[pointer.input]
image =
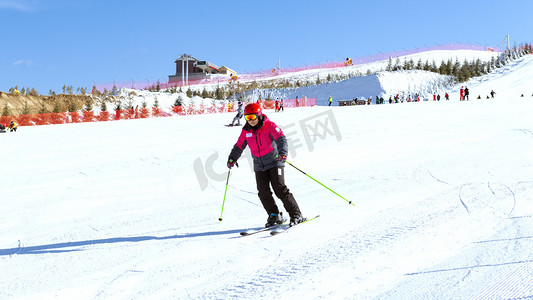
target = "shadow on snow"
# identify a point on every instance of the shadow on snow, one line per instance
(63, 247)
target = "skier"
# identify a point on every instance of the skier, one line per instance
(467, 93)
(269, 148)
(2, 128)
(330, 101)
(238, 116)
(492, 93)
(447, 96)
(281, 105)
(277, 105)
(461, 94)
(13, 126)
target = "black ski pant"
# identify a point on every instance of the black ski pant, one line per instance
(276, 178)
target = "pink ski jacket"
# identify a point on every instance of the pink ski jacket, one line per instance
(266, 141)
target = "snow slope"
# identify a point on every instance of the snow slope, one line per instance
(379, 83)
(383, 83)
(443, 195)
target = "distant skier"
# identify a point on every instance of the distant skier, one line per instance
(238, 116)
(2, 128)
(269, 148)
(348, 62)
(281, 103)
(277, 105)
(330, 100)
(447, 96)
(462, 94)
(467, 93)
(13, 126)
(492, 93)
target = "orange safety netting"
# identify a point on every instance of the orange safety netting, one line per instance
(127, 114)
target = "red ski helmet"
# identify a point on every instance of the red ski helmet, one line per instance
(252, 108)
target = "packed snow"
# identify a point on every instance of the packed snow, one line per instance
(443, 194)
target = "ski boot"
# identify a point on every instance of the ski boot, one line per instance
(274, 219)
(296, 219)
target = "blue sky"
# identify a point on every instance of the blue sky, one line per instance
(50, 43)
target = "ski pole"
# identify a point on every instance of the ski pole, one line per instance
(349, 202)
(224, 200)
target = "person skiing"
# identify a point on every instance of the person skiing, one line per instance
(13, 126)
(269, 148)
(238, 116)
(2, 128)
(467, 93)
(330, 100)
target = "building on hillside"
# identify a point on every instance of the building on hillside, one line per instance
(226, 70)
(190, 68)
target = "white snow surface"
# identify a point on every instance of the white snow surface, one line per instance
(443, 195)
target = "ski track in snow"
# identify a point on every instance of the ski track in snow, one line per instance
(353, 246)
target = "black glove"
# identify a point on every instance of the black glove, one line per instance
(282, 158)
(232, 163)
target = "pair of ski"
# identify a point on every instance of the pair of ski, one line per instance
(276, 229)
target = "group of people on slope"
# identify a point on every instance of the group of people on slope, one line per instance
(12, 127)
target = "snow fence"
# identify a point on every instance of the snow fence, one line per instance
(139, 113)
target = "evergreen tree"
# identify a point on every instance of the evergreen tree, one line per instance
(389, 65)
(464, 73)
(433, 68)
(219, 93)
(179, 101)
(43, 109)
(88, 104)
(456, 68)
(397, 66)
(419, 65)
(6, 111)
(72, 107)
(103, 106)
(26, 109)
(57, 107)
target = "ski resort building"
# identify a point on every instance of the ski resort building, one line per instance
(190, 68)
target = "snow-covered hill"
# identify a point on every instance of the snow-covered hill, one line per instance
(379, 83)
(443, 195)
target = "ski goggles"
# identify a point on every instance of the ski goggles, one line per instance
(250, 117)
